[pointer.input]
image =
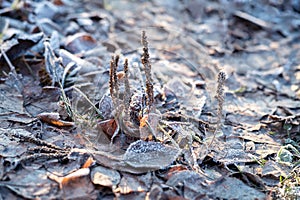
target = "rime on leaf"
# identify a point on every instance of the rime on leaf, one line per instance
(52, 63)
(150, 155)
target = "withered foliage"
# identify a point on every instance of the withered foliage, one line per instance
(136, 105)
(127, 89)
(113, 81)
(146, 138)
(220, 98)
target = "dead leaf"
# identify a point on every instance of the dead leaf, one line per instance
(105, 177)
(30, 185)
(106, 107)
(274, 169)
(108, 127)
(132, 184)
(150, 155)
(62, 181)
(259, 138)
(54, 119)
(11, 102)
(84, 65)
(17, 47)
(38, 100)
(189, 184)
(89, 162)
(226, 187)
(9, 147)
(80, 42)
(52, 64)
(148, 125)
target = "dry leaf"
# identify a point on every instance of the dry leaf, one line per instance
(105, 177)
(54, 119)
(66, 179)
(150, 155)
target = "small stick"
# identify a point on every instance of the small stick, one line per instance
(35, 141)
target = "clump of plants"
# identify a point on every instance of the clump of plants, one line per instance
(131, 108)
(129, 113)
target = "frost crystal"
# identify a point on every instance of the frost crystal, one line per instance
(145, 147)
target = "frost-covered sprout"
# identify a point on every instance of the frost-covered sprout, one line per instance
(113, 78)
(127, 89)
(130, 108)
(147, 67)
(220, 97)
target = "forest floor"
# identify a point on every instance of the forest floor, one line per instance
(84, 115)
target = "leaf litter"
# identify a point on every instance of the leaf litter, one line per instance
(149, 118)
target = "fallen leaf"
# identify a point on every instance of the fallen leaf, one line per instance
(17, 47)
(30, 185)
(131, 184)
(108, 127)
(105, 177)
(89, 162)
(150, 155)
(80, 42)
(54, 119)
(70, 177)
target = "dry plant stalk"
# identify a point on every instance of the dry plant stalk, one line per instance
(127, 93)
(147, 67)
(116, 77)
(113, 78)
(220, 98)
(132, 107)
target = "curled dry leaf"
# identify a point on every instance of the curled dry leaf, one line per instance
(66, 179)
(89, 162)
(53, 119)
(108, 127)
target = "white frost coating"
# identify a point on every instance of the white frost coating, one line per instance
(145, 147)
(150, 155)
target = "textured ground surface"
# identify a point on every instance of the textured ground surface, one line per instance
(57, 116)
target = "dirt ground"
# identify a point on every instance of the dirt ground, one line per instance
(149, 99)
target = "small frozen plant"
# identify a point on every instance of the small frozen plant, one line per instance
(131, 108)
